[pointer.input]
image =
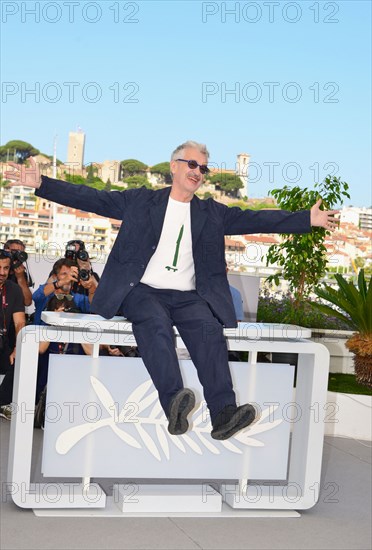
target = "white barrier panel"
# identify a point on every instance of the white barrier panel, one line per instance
(98, 394)
(113, 416)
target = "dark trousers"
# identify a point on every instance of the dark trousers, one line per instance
(153, 312)
(6, 386)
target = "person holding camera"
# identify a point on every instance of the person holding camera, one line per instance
(75, 250)
(58, 303)
(64, 274)
(12, 311)
(18, 272)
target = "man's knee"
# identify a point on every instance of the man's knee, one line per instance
(212, 331)
(155, 322)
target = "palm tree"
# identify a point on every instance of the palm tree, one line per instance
(354, 303)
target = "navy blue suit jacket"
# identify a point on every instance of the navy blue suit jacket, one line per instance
(142, 212)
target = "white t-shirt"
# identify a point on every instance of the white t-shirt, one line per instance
(172, 265)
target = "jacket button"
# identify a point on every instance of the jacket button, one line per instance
(153, 247)
(143, 266)
(131, 284)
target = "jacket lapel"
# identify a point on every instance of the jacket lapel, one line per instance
(158, 209)
(198, 218)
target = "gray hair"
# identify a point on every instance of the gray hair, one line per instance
(178, 152)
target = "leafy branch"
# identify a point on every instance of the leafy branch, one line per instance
(303, 258)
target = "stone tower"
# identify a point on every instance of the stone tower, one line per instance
(75, 151)
(242, 167)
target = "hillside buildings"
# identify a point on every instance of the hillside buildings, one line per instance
(47, 229)
(361, 217)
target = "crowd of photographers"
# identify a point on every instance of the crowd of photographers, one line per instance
(70, 287)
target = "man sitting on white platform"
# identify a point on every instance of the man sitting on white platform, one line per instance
(167, 268)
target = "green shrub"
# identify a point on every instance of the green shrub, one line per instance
(280, 309)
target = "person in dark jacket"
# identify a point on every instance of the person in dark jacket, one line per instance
(167, 268)
(12, 313)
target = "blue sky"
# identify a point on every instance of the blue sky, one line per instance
(142, 77)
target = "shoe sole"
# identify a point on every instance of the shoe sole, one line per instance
(243, 417)
(182, 404)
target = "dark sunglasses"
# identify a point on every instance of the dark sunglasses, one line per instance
(193, 164)
(68, 297)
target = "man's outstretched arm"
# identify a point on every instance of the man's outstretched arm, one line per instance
(104, 203)
(241, 222)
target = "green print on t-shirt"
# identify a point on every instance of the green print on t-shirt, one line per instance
(175, 259)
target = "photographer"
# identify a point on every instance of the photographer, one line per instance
(18, 272)
(75, 250)
(64, 274)
(57, 303)
(12, 310)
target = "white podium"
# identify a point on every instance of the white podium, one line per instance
(103, 420)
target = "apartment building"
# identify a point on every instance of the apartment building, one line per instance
(359, 217)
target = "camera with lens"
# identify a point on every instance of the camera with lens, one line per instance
(131, 352)
(72, 309)
(84, 274)
(71, 254)
(18, 258)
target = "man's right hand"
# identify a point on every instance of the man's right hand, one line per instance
(22, 175)
(20, 273)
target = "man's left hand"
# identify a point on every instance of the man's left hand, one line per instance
(12, 357)
(323, 218)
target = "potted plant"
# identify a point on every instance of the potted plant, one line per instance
(302, 257)
(354, 305)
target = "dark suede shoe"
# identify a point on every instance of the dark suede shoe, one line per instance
(180, 406)
(232, 419)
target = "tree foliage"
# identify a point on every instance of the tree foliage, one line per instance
(95, 182)
(18, 151)
(354, 302)
(255, 206)
(229, 183)
(137, 181)
(303, 258)
(90, 174)
(3, 182)
(79, 180)
(208, 195)
(132, 167)
(163, 169)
